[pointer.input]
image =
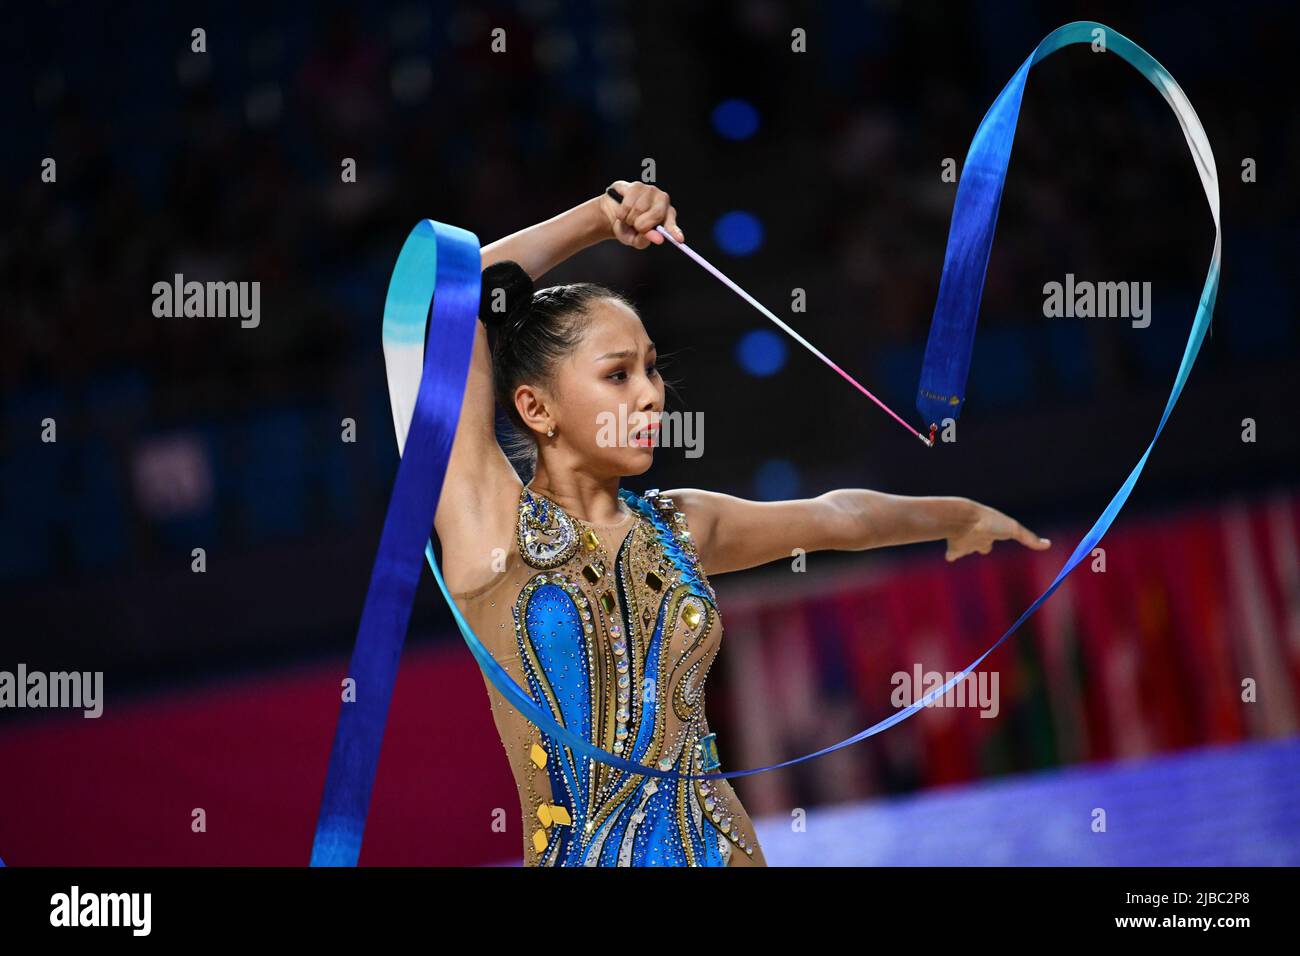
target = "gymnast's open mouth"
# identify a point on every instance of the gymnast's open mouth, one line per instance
(645, 436)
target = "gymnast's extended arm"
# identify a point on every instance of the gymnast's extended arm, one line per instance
(732, 534)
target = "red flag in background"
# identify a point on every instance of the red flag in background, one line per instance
(848, 773)
(1283, 517)
(1014, 739)
(1111, 656)
(1273, 523)
(924, 609)
(1163, 682)
(1263, 658)
(753, 710)
(1058, 640)
(1191, 554)
(871, 653)
(872, 647)
(790, 659)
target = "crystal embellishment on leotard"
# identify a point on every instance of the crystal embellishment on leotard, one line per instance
(546, 534)
(588, 629)
(675, 537)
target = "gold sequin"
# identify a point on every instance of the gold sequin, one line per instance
(538, 755)
(590, 540)
(539, 841)
(691, 615)
(607, 601)
(654, 580)
(593, 572)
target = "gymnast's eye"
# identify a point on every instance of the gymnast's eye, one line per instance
(617, 376)
(651, 370)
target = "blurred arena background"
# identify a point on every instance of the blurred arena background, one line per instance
(820, 171)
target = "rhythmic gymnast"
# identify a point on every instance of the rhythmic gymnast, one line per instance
(595, 599)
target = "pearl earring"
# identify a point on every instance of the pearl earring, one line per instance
(550, 433)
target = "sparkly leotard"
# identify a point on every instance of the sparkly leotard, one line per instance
(617, 648)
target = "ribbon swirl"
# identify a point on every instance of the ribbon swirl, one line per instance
(426, 385)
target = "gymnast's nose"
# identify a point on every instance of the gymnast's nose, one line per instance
(649, 400)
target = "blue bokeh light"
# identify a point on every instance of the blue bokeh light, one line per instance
(738, 233)
(761, 352)
(735, 119)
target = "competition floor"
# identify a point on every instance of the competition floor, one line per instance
(1223, 806)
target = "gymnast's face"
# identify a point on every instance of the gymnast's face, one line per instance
(607, 395)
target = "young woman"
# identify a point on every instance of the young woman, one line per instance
(597, 600)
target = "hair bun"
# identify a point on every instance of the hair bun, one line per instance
(507, 294)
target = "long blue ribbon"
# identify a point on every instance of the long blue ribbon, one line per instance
(942, 388)
(426, 396)
(446, 258)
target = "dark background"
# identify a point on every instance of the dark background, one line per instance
(226, 165)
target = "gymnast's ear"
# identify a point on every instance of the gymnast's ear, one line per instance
(532, 404)
(507, 293)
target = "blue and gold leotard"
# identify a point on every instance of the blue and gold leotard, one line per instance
(613, 628)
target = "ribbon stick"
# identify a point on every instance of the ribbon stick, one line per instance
(717, 274)
(426, 384)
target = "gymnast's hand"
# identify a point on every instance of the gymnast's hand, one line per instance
(986, 525)
(644, 207)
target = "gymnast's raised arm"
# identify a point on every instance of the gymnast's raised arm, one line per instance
(477, 505)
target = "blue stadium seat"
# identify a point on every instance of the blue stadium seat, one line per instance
(340, 466)
(1002, 371)
(1256, 310)
(1069, 357)
(273, 477)
(31, 480)
(30, 483)
(118, 401)
(1159, 347)
(95, 516)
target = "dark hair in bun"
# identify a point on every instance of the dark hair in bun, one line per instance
(529, 332)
